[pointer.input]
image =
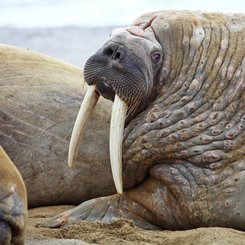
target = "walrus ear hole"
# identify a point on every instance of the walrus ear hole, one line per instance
(156, 56)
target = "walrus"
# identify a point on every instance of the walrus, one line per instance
(40, 98)
(13, 203)
(177, 124)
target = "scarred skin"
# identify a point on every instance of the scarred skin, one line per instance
(13, 203)
(183, 150)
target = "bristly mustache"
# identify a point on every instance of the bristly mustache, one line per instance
(96, 68)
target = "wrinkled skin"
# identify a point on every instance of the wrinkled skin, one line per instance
(13, 203)
(183, 150)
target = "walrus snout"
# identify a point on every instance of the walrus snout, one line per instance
(115, 69)
(115, 57)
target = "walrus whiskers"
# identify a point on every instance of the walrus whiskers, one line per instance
(86, 109)
(118, 115)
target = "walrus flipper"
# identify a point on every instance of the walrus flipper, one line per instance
(107, 210)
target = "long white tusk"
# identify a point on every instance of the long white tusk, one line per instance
(88, 104)
(119, 111)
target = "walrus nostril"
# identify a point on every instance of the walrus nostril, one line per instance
(117, 56)
(114, 51)
(108, 51)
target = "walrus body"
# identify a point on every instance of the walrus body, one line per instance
(13, 203)
(181, 76)
(40, 97)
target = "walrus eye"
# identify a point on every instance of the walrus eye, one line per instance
(156, 56)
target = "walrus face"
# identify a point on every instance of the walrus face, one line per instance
(126, 65)
(125, 71)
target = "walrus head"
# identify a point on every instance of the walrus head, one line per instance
(123, 70)
(126, 65)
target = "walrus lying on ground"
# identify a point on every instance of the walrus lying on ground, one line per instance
(39, 100)
(13, 203)
(177, 81)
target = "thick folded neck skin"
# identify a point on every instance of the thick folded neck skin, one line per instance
(198, 115)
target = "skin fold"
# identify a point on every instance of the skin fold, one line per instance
(183, 155)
